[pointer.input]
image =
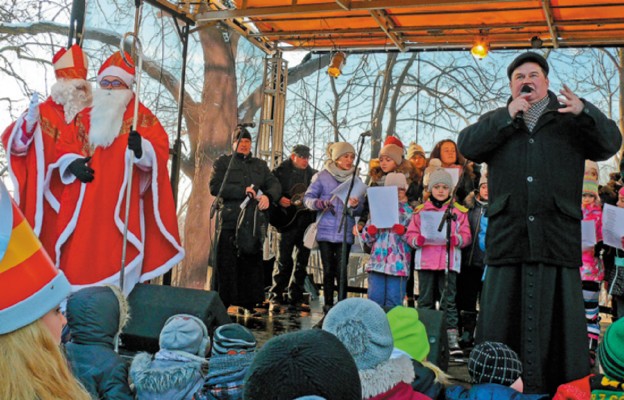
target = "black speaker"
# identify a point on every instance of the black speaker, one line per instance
(152, 305)
(435, 325)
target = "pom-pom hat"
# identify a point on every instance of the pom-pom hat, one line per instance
(30, 285)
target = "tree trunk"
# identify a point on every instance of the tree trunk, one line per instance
(216, 121)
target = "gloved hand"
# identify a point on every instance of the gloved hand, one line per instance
(399, 229)
(322, 204)
(454, 241)
(419, 241)
(372, 230)
(33, 114)
(134, 143)
(81, 170)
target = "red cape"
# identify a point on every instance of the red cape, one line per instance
(91, 216)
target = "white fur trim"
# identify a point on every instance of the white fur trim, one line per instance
(69, 229)
(66, 177)
(385, 376)
(119, 73)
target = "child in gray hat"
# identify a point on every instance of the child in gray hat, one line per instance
(175, 372)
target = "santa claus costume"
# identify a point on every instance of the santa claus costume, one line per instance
(31, 143)
(92, 214)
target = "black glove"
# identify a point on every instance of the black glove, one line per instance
(134, 143)
(81, 170)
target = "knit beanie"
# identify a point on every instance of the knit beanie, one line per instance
(242, 133)
(440, 176)
(311, 362)
(340, 148)
(409, 332)
(396, 179)
(186, 333)
(362, 326)
(393, 148)
(611, 351)
(589, 164)
(433, 165)
(233, 339)
(494, 362)
(415, 149)
(590, 185)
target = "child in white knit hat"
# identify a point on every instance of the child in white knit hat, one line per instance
(430, 259)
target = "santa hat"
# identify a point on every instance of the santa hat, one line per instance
(116, 66)
(30, 285)
(393, 148)
(70, 63)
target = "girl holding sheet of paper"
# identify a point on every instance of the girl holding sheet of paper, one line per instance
(388, 265)
(592, 272)
(431, 257)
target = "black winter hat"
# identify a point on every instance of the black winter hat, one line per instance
(494, 362)
(242, 133)
(311, 362)
(529, 56)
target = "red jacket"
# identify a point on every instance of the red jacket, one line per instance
(402, 391)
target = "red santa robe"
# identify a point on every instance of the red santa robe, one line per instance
(91, 216)
(28, 164)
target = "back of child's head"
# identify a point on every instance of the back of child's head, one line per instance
(494, 362)
(311, 362)
(611, 351)
(186, 334)
(396, 179)
(96, 314)
(233, 339)
(408, 332)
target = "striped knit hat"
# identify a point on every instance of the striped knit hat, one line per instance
(30, 285)
(233, 339)
(611, 351)
(494, 362)
(590, 185)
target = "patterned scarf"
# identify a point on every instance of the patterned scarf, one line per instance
(536, 111)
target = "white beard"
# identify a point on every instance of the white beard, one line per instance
(107, 113)
(73, 94)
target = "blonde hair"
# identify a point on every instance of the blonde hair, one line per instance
(33, 367)
(440, 376)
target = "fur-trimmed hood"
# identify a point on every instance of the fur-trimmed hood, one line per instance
(376, 174)
(97, 314)
(163, 376)
(385, 376)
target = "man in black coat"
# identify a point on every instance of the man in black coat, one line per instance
(291, 219)
(239, 274)
(536, 148)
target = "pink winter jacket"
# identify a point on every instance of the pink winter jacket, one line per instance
(433, 257)
(592, 270)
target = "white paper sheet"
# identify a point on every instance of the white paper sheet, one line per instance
(612, 226)
(454, 172)
(588, 234)
(359, 188)
(383, 203)
(429, 223)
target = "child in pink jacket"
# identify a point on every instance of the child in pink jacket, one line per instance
(430, 259)
(592, 272)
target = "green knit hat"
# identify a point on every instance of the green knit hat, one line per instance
(611, 351)
(409, 332)
(590, 185)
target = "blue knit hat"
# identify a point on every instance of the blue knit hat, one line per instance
(233, 338)
(362, 326)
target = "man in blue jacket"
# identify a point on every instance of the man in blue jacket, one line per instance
(535, 148)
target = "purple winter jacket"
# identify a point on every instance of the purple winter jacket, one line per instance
(321, 187)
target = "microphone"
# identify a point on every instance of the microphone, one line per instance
(247, 125)
(366, 134)
(525, 89)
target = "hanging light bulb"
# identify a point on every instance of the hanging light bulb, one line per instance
(336, 64)
(480, 48)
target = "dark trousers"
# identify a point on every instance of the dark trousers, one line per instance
(331, 254)
(431, 285)
(239, 279)
(283, 273)
(469, 286)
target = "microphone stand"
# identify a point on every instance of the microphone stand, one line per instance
(215, 208)
(448, 219)
(342, 288)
